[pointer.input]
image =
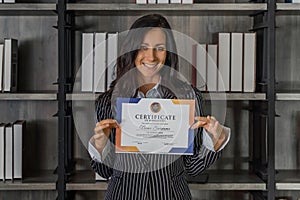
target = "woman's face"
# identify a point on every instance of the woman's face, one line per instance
(151, 55)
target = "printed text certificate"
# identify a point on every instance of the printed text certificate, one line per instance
(155, 126)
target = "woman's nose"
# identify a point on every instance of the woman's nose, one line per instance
(151, 54)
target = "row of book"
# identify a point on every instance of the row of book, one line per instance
(99, 55)
(164, 1)
(227, 65)
(11, 148)
(8, 65)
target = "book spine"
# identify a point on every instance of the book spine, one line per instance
(175, 1)
(18, 130)
(9, 152)
(2, 152)
(223, 61)
(201, 66)
(236, 74)
(1, 66)
(100, 62)
(162, 1)
(212, 56)
(249, 62)
(112, 55)
(187, 1)
(87, 62)
(141, 1)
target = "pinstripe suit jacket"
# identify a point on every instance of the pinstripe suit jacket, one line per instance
(153, 177)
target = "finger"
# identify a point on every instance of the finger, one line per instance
(203, 119)
(198, 124)
(112, 123)
(99, 129)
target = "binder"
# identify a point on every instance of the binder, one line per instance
(10, 64)
(18, 130)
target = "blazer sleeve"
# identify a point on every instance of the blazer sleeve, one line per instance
(202, 157)
(103, 111)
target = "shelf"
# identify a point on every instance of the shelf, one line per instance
(217, 180)
(27, 9)
(288, 8)
(224, 8)
(229, 180)
(288, 180)
(44, 180)
(206, 96)
(288, 96)
(28, 96)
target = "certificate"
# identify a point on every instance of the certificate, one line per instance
(157, 126)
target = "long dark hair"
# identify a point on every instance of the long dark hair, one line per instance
(131, 46)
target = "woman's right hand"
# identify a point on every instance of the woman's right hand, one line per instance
(102, 132)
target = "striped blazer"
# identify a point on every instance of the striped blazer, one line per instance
(155, 176)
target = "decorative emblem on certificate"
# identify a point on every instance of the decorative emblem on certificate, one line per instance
(157, 126)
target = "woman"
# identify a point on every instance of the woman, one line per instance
(149, 56)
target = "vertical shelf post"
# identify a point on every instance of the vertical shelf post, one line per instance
(62, 64)
(271, 99)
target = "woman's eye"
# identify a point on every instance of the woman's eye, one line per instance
(160, 48)
(144, 48)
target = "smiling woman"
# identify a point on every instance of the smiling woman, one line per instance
(146, 68)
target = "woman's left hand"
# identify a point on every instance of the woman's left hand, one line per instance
(212, 126)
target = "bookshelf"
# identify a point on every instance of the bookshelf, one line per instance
(69, 19)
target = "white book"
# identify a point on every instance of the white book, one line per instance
(87, 62)
(141, 1)
(9, 152)
(175, 1)
(112, 55)
(249, 62)
(151, 1)
(187, 1)
(236, 76)
(100, 62)
(212, 56)
(2, 151)
(201, 59)
(1, 66)
(296, 1)
(224, 61)
(9, 1)
(10, 65)
(162, 1)
(18, 130)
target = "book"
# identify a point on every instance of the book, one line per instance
(151, 1)
(223, 40)
(9, 147)
(100, 62)
(236, 71)
(87, 62)
(2, 151)
(9, 1)
(249, 62)
(18, 130)
(212, 56)
(10, 65)
(162, 1)
(199, 63)
(1, 66)
(112, 55)
(175, 1)
(141, 1)
(187, 1)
